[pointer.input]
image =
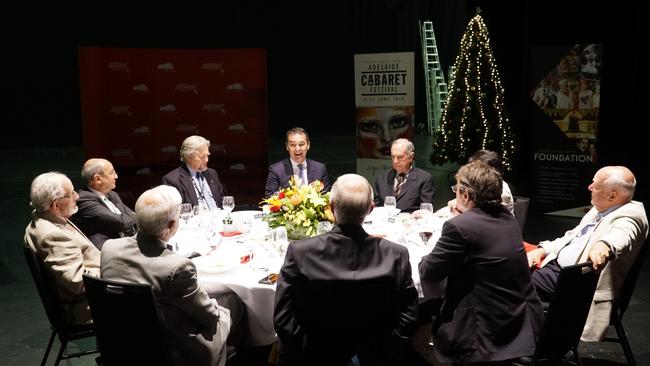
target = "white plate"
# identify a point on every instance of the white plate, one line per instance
(215, 264)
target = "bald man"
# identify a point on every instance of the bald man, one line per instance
(102, 215)
(609, 235)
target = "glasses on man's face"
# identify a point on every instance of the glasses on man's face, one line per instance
(454, 188)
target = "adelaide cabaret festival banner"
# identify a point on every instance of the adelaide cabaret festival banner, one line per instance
(138, 105)
(384, 98)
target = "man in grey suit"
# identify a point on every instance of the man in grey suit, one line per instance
(197, 326)
(411, 186)
(102, 215)
(610, 235)
(297, 165)
(347, 252)
(64, 249)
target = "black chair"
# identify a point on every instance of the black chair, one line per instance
(127, 323)
(566, 316)
(621, 303)
(344, 318)
(45, 284)
(521, 210)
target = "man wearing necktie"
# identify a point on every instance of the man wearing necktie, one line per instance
(197, 184)
(64, 250)
(609, 235)
(102, 215)
(296, 166)
(411, 186)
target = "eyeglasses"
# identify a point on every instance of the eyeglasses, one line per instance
(454, 188)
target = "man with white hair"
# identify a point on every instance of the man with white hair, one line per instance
(610, 235)
(409, 185)
(102, 215)
(197, 184)
(196, 325)
(64, 249)
(346, 252)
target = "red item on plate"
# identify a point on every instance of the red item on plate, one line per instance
(230, 233)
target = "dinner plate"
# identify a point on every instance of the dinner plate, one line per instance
(215, 264)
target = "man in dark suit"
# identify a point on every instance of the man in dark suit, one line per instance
(491, 311)
(297, 165)
(197, 184)
(102, 215)
(195, 325)
(347, 252)
(411, 186)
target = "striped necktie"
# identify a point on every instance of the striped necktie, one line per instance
(401, 178)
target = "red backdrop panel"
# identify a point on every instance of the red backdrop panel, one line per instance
(139, 104)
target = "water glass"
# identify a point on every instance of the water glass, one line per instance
(281, 235)
(323, 227)
(427, 207)
(186, 212)
(390, 203)
(228, 204)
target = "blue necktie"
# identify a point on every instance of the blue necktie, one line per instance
(303, 173)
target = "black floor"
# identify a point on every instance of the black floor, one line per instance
(24, 329)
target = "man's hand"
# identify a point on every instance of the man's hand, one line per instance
(599, 255)
(535, 257)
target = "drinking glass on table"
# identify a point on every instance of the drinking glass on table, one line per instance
(228, 204)
(427, 207)
(186, 212)
(391, 205)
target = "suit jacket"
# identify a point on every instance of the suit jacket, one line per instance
(345, 252)
(625, 229)
(196, 325)
(491, 311)
(282, 171)
(67, 255)
(98, 222)
(181, 179)
(417, 189)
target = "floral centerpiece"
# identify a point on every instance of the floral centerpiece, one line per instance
(299, 209)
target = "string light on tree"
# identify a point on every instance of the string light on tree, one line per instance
(474, 117)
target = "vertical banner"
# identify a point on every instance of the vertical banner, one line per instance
(385, 107)
(567, 103)
(138, 105)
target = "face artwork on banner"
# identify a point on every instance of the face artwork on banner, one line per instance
(378, 127)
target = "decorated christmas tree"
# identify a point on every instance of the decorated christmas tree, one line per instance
(474, 117)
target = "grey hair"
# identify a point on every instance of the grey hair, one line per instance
(46, 188)
(620, 178)
(351, 198)
(92, 167)
(191, 145)
(406, 143)
(156, 207)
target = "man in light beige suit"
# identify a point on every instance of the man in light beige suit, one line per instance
(197, 327)
(610, 235)
(64, 249)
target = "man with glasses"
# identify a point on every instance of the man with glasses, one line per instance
(411, 186)
(59, 244)
(197, 184)
(102, 215)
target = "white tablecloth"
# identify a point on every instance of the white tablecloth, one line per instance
(220, 270)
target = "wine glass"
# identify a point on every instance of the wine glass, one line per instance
(391, 205)
(186, 212)
(425, 236)
(228, 204)
(427, 207)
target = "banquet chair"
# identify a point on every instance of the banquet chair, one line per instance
(621, 303)
(127, 323)
(521, 210)
(342, 319)
(566, 316)
(55, 312)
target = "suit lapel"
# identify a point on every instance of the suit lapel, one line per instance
(186, 180)
(406, 186)
(391, 182)
(288, 171)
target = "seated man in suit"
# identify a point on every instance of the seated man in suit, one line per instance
(102, 215)
(346, 252)
(411, 186)
(64, 249)
(197, 184)
(610, 235)
(196, 325)
(297, 165)
(490, 312)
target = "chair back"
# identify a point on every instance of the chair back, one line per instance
(521, 210)
(627, 288)
(46, 286)
(338, 314)
(567, 312)
(127, 323)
